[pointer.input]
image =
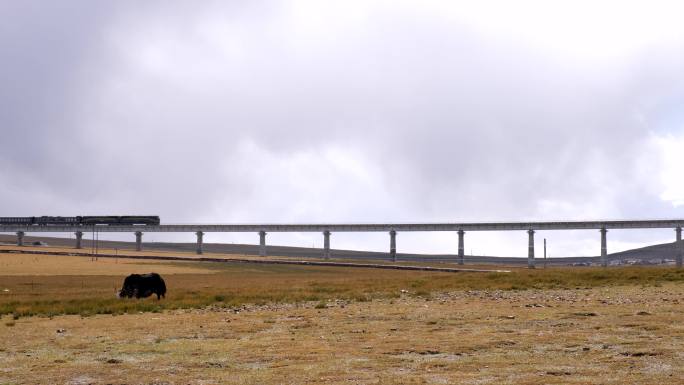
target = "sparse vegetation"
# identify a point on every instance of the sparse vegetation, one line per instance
(233, 285)
(560, 325)
(600, 335)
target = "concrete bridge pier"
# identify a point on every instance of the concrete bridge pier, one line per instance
(604, 248)
(138, 240)
(262, 243)
(461, 249)
(20, 238)
(200, 236)
(326, 244)
(393, 245)
(79, 237)
(678, 247)
(530, 249)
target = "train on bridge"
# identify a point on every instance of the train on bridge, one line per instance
(106, 220)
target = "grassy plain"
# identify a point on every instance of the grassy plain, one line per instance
(83, 286)
(255, 324)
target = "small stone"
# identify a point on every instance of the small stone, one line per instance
(586, 314)
(61, 331)
(558, 373)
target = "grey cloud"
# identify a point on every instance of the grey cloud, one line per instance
(234, 113)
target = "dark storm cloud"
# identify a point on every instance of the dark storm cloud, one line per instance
(293, 112)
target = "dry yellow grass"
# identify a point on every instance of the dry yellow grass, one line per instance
(228, 257)
(120, 251)
(251, 324)
(55, 265)
(616, 335)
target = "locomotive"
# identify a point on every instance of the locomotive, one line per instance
(126, 220)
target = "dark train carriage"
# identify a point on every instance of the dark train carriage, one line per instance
(140, 220)
(120, 220)
(16, 221)
(56, 221)
(100, 220)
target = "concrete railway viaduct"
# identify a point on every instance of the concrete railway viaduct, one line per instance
(391, 229)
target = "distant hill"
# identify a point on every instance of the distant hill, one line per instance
(654, 252)
(649, 253)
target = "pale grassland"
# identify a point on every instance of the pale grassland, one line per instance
(123, 252)
(70, 290)
(238, 323)
(55, 265)
(602, 335)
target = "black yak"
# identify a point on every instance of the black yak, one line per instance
(143, 286)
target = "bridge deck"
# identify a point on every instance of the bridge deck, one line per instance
(364, 227)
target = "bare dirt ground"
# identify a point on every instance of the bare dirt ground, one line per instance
(615, 335)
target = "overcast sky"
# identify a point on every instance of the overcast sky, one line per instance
(349, 111)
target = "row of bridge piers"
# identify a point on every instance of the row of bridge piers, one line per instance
(393, 245)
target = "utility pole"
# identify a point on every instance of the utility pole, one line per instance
(545, 253)
(92, 245)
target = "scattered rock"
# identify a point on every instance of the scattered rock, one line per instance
(558, 373)
(507, 317)
(501, 344)
(643, 313)
(640, 354)
(585, 314)
(113, 361)
(61, 331)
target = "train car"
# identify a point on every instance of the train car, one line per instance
(120, 220)
(56, 221)
(151, 220)
(100, 220)
(13, 221)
